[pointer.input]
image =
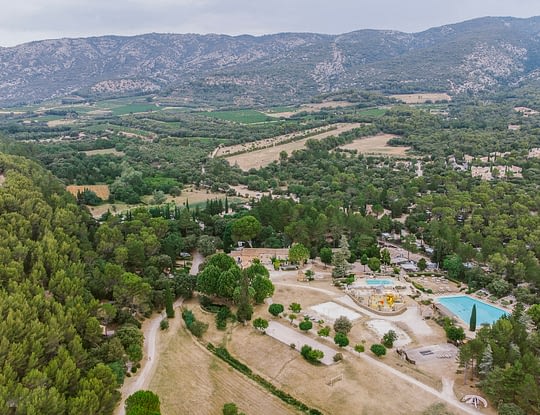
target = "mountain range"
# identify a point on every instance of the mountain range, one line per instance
(472, 56)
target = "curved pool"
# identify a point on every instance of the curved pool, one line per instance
(461, 306)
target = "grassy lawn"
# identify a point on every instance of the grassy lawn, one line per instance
(240, 116)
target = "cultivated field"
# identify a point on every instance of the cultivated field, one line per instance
(264, 156)
(422, 98)
(315, 107)
(101, 190)
(376, 144)
(112, 151)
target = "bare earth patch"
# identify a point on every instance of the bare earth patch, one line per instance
(422, 98)
(265, 156)
(376, 144)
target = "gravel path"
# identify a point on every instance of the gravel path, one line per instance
(142, 378)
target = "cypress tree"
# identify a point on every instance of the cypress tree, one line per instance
(472, 321)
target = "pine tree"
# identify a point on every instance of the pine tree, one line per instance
(472, 321)
(340, 263)
(486, 364)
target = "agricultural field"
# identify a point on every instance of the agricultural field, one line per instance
(377, 144)
(101, 190)
(288, 112)
(264, 156)
(240, 116)
(112, 151)
(421, 98)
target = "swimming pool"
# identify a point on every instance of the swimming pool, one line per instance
(379, 282)
(462, 306)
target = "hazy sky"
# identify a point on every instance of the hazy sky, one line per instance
(25, 20)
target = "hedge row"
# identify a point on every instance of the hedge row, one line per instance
(224, 355)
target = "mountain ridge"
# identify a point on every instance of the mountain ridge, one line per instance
(471, 56)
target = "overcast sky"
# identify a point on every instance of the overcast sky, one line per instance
(26, 20)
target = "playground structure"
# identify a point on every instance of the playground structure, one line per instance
(474, 400)
(387, 301)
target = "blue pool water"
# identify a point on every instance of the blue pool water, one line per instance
(379, 282)
(462, 306)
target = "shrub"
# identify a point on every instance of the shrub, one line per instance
(324, 332)
(389, 339)
(276, 309)
(378, 350)
(221, 317)
(310, 354)
(164, 324)
(341, 339)
(260, 324)
(295, 307)
(305, 325)
(359, 348)
(338, 357)
(198, 328)
(342, 325)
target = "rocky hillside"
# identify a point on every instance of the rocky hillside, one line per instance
(288, 67)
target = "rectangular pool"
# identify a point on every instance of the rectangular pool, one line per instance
(379, 282)
(461, 306)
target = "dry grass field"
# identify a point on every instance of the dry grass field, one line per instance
(377, 144)
(189, 380)
(421, 98)
(270, 142)
(112, 151)
(265, 156)
(101, 190)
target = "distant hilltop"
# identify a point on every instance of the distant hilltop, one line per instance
(473, 56)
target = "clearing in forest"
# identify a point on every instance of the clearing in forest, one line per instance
(268, 150)
(376, 144)
(112, 151)
(101, 190)
(421, 98)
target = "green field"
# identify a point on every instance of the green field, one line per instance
(373, 112)
(134, 108)
(240, 116)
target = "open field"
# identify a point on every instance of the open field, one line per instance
(265, 156)
(193, 196)
(189, 380)
(101, 190)
(112, 151)
(312, 107)
(240, 116)
(421, 98)
(270, 142)
(376, 144)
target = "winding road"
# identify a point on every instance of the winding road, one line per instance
(150, 330)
